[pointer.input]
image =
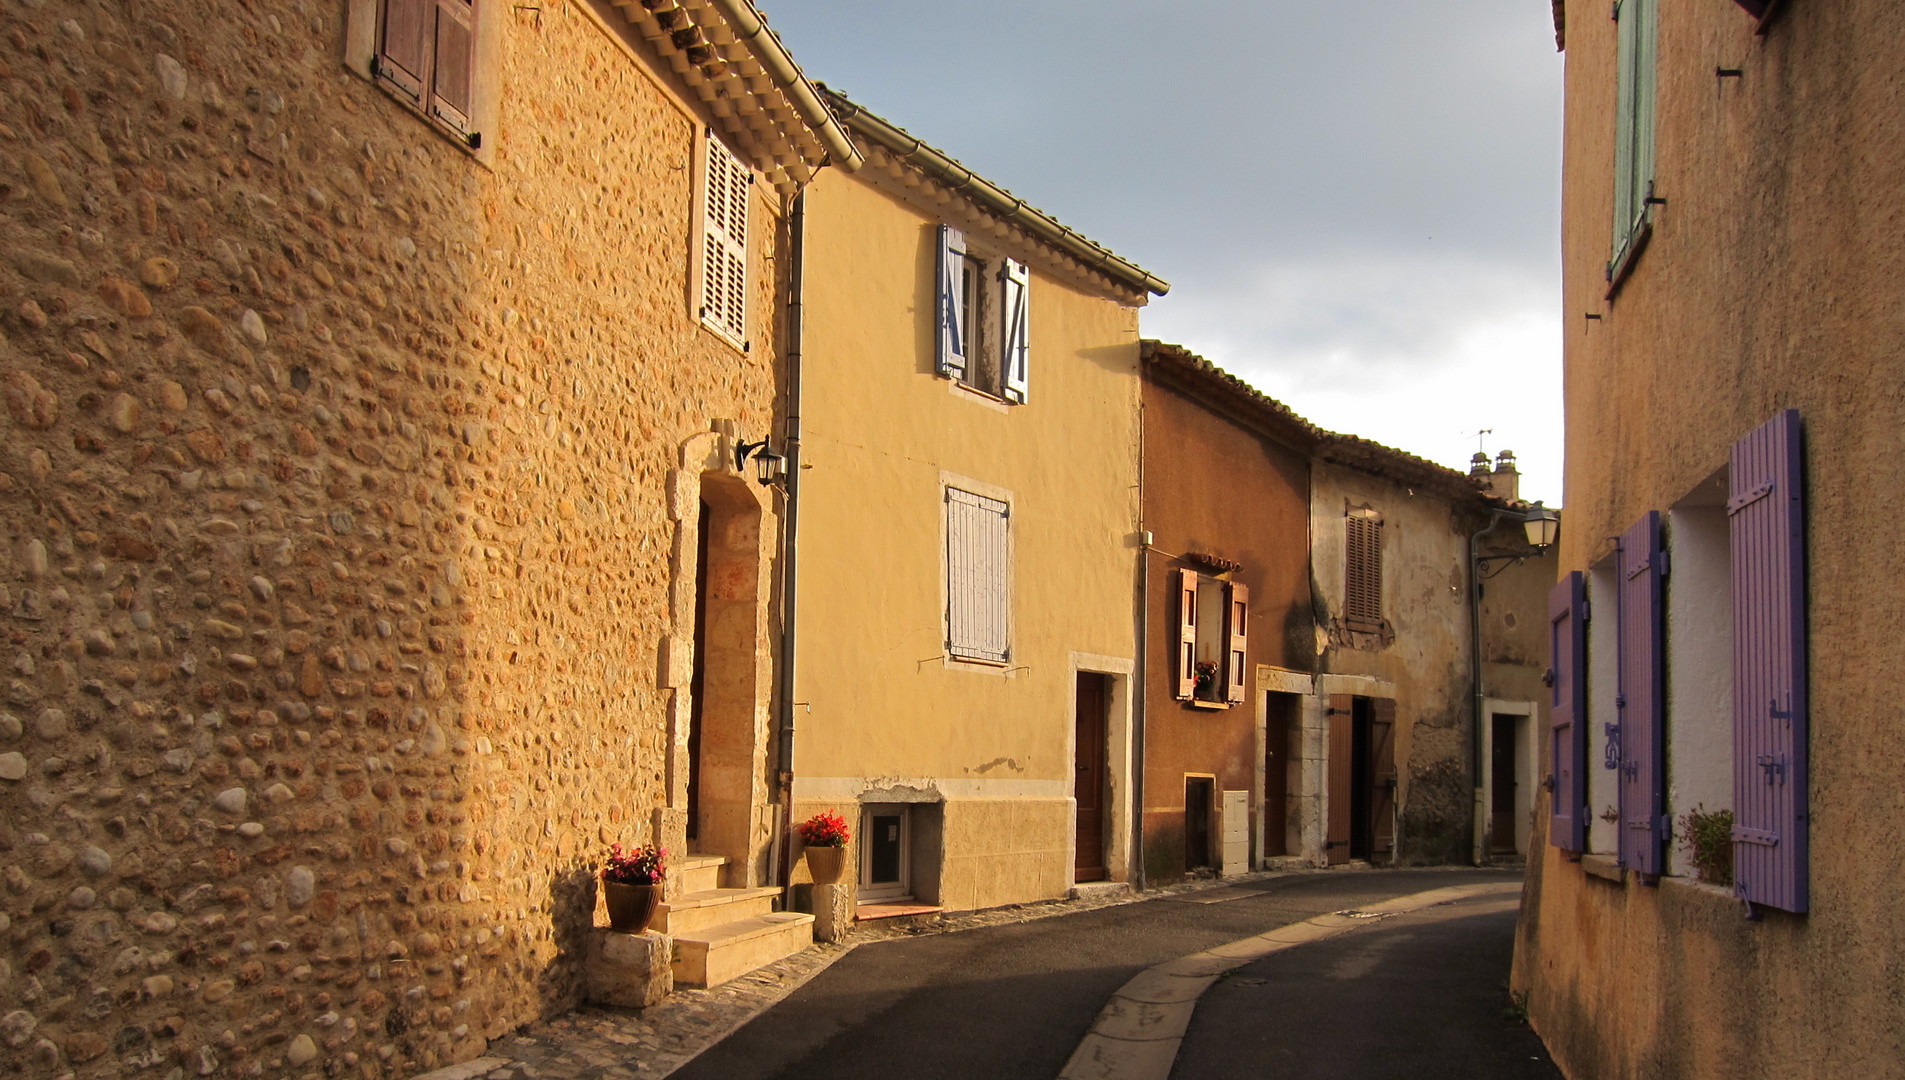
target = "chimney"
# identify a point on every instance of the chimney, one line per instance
(1478, 467)
(1505, 482)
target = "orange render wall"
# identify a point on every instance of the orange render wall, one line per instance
(1770, 282)
(1215, 486)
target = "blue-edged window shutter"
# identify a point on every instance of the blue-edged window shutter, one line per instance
(1567, 712)
(1642, 698)
(1766, 519)
(1016, 359)
(1634, 126)
(952, 352)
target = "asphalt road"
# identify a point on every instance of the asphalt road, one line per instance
(1413, 997)
(1011, 1002)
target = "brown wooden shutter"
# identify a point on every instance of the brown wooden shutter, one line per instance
(1342, 747)
(1238, 634)
(1382, 778)
(454, 66)
(403, 45)
(1186, 633)
(1362, 561)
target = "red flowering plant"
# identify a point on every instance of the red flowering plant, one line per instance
(1206, 677)
(641, 865)
(826, 829)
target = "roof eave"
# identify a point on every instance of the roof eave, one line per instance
(991, 197)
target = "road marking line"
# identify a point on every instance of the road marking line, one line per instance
(1137, 1033)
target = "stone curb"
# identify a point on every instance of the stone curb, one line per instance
(1137, 1034)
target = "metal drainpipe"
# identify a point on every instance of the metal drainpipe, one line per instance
(790, 533)
(1139, 691)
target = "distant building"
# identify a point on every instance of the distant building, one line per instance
(1311, 695)
(1717, 894)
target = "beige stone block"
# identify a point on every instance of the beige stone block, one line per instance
(629, 970)
(834, 907)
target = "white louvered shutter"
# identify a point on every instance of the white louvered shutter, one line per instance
(724, 244)
(1015, 360)
(951, 352)
(976, 599)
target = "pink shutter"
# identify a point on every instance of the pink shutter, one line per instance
(454, 76)
(403, 46)
(1767, 524)
(1641, 700)
(1567, 712)
(1186, 633)
(1238, 636)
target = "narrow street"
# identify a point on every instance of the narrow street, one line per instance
(1424, 992)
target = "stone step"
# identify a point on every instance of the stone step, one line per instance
(698, 873)
(711, 907)
(712, 956)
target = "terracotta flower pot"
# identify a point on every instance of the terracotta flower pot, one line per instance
(630, 906)
(826, 864)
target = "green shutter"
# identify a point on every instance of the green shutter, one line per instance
(1634, 133)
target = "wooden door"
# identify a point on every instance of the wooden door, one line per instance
(1089, 775)
(1501, 781)
(1279, 719)
(1382, 779)
(1199, 792)
(1341, 754)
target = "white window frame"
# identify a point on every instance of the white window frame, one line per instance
(725, 185)
(996, 659)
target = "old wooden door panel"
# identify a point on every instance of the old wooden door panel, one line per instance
(1382, 779)
(1341, 749)
(1088, 776)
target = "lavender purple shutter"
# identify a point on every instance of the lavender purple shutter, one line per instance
(1567, 712)
(1641, 699)
(1767, 524)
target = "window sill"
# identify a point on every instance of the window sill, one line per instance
(743, 347)
(979, 666)
(978, 397)
(1621, 268)
(1602, 867)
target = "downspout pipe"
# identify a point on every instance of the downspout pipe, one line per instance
(1141, 691)
(790, 536)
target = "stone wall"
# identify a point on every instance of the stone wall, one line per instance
(337, 547)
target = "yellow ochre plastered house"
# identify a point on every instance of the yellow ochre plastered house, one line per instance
(967, 542)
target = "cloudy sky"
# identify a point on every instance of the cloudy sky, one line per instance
(1356, 202)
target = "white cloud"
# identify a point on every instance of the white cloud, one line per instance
(1419, 354)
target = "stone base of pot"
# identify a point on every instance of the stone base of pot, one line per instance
(826, 864)
(631, 971)
(630, 906)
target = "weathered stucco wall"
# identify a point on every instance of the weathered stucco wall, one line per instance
(1426, 654)
(1770, 282)
(884, 435)
(1214, 486)
(337, 534)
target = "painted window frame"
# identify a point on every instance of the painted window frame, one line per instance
(982, 318)
(1363, 604)
(1636, 28)
(716, 247)
(982, 497)
(363, 44)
